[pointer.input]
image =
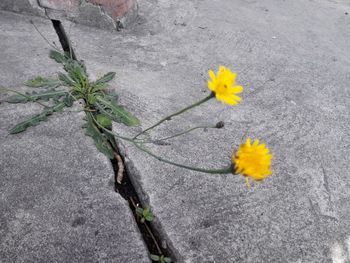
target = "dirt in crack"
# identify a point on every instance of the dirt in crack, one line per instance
(125, 188)
(149, 233)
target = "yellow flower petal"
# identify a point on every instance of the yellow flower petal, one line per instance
(253, 160)
(236, 89)
(212, 75)
(223, 85)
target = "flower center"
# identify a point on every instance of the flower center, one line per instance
(222, 88)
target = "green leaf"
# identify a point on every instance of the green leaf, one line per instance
(17, 99)
(149, 216)
(139, 211)
(106, 78)
(112, 97)
(58, 56)
(65, 79)
(167, 260)
(40, 82)
(101, 142)
(76, 71)
(36, 119)
(154, 257)
(98, 87)
(68, 100)
(31, 122)
(104, 121)
(142, 220)
(34, 96)
(116, 112)
(91, 99)
(57, 108)
(110, 138)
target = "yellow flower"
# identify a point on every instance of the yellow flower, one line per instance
(253, 160)
(223, 85)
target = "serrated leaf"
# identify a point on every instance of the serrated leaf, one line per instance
(98, 87)
(31, 122)
(101, 142)
(76, 71)
(106, 78)
(58, 56)
(68, 100)
(36, 119)
(34, 96)
(65, 79)
(116, 112)
(40, 82)
(154, 257)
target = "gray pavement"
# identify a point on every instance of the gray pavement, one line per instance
(57, 201)
(292, 57)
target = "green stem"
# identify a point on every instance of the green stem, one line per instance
(226, 170)
(24, 95)
(176, 113)
(110, 132)
(181, 133)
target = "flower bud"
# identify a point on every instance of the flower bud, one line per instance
(220, 125)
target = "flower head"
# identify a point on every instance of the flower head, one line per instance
(223, 85)
(253, 160)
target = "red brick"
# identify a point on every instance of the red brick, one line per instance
(116, 8)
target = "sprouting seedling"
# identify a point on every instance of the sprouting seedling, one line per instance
(145, 214)
(161, 258)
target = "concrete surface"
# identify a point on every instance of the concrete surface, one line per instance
(57, 202)
(292, 57)
(22, 6)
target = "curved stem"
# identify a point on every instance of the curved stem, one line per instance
(46, 40)
(181, 133)
(226, 170)
(176, 113)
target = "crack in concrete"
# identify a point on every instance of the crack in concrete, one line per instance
(154, 237)
(325, 182)
(133, 175)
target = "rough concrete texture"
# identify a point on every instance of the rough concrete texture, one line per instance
(22, 6)
(104, 14)
(57, 200)
(292, 59)
(23, 50)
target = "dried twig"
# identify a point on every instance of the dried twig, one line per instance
(120, 173)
